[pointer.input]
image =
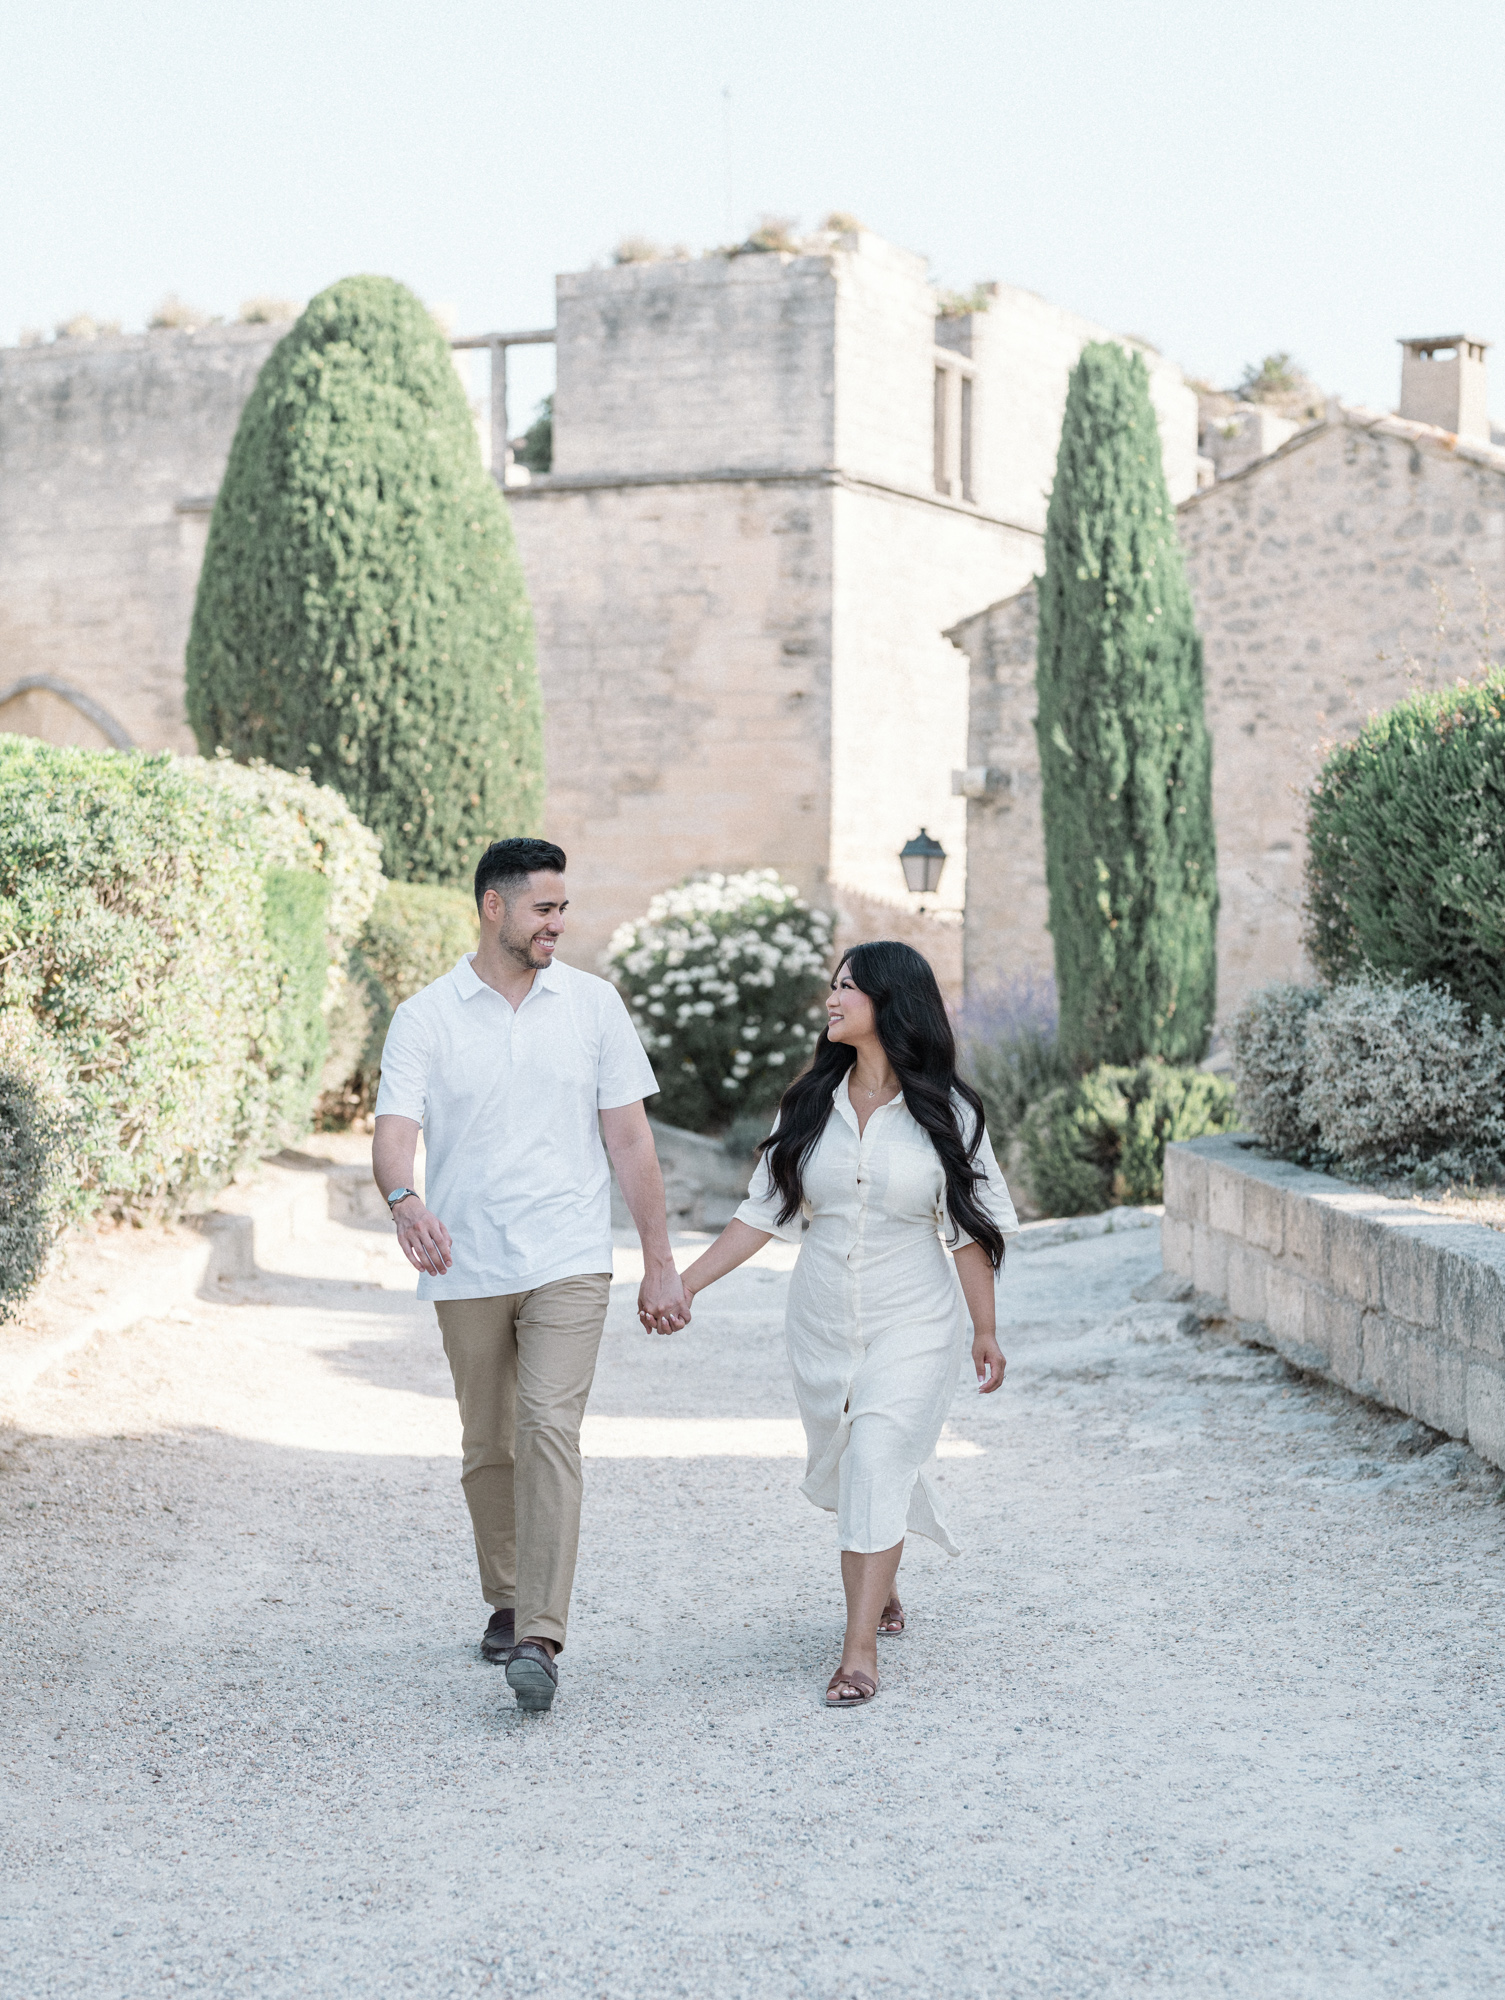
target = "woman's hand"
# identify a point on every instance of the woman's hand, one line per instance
(977, 1281)
(736, 1243)
(988, 1362)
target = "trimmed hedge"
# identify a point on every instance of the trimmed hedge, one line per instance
(296, 916)
(1406, 848)
(132, 932)
(1101, 1140)
(165, 936)
(413, 935)
(36, 1147)
(297, 824)
(1125, 757)
(361, 611)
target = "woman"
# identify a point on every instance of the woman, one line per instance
(882, 1146)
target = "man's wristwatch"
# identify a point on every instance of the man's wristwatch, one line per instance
(397, 1195)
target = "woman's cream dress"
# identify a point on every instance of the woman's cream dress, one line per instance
(877, 1326)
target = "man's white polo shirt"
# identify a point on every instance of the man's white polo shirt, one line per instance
(515, 1167)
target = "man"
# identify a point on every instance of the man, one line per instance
(504, 1064)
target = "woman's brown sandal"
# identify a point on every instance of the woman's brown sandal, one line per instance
(850, 1677)
(891, 1624)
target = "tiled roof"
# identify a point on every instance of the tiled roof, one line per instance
(1357, 418)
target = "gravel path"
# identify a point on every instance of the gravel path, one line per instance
(1211, 1706)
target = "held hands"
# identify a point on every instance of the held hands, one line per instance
(663, 1301)
(989, 1363)
(425, 1240)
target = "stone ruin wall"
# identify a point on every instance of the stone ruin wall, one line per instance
(740, 566)
(111, 452)
(1315, 576)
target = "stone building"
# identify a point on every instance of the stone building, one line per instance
(111, 451)
(1330, 578)
(776, 479)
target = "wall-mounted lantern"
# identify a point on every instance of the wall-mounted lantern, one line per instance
(922, 860)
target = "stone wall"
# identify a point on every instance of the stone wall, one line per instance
(111, 451)
(740, 564)
(684, 648)
(903, 571)
(741, 569)
(1025, 349)
(1401, 1306)
(695, 365)
(1315, 576)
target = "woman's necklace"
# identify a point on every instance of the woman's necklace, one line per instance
(869, 1093)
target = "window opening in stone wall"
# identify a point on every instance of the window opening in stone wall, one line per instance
(942, 480)
(966, 437)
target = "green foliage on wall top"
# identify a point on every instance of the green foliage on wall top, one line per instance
(361, 611)
(1124, 751)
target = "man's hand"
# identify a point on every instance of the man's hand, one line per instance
(663, 1302)
(424, 1238)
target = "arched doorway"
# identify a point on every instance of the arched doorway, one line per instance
(45, 707)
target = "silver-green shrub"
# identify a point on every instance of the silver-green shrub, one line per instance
(1398, 1077)
(1268, 1040)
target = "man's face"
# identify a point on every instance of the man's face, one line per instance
(529, 927)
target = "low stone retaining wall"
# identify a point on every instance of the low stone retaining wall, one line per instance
(1398, 1305)
(101, 1284)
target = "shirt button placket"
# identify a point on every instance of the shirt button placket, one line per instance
(862, 1187)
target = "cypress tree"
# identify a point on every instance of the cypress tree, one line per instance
(361, 611)
(1126, 764)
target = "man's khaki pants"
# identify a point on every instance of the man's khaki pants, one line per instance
(523, 1367)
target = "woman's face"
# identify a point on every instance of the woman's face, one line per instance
(849, 1011)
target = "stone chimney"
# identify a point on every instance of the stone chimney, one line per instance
(1443, 382)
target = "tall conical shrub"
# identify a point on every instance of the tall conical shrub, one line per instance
(361, 611)
(1125, 760)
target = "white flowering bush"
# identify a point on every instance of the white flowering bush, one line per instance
(724, 979)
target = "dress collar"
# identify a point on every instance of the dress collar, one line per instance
(841, 1097)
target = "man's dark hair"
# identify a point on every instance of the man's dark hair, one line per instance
(508, 863)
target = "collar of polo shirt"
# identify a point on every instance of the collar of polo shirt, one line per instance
(469, 983)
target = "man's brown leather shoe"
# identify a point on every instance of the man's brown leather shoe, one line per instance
(499, 1637)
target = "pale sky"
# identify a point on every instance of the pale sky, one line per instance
(1224, 178)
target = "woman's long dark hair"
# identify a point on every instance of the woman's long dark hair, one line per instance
(916, 1035)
